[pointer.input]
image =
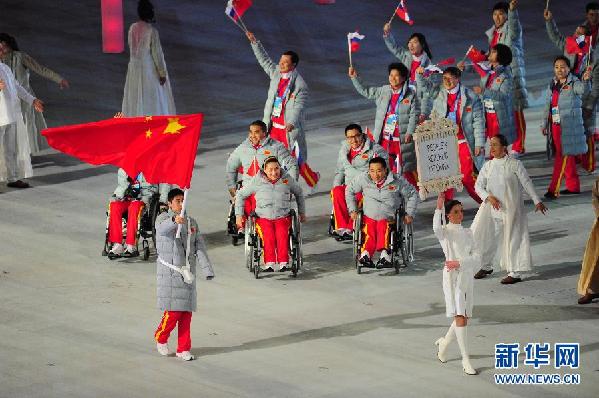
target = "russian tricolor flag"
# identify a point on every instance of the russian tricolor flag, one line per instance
(354, 40)
(402, 12)
(236, 8)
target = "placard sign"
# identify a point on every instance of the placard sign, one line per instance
(437, 156)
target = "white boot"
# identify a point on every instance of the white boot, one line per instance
(117, 249)
(185, 355)
(461, 336)
(162, 349)
(443, 343)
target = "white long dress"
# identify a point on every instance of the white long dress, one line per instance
(503, 234)
(458, 245)
(143, 94)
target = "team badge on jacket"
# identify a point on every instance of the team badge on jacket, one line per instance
(285, 181)
(267, 152)
(364, 156)
(468, 109)
(406, 101)
(391, 187)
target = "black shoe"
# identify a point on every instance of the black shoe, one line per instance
(128, 254)
(568, 192)
(550, 195)
(510, 280)
(18, 184)
(366, 261)
(347, 236)
(383, 263)
(482, 273)
(588, 298)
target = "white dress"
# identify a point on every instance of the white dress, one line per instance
(143, 93)
(503, 234)
(458, 245)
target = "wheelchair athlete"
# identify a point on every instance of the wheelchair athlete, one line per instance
(248, 157)
(272, 189)
(131, 195)
(355, 153)
(382, 192)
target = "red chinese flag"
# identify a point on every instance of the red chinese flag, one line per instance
(476, 55)
(163, 148)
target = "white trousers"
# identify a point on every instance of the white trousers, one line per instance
(8, 135)
(493, 253)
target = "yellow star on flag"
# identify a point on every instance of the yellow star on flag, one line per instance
(149, 133)
(173, 126)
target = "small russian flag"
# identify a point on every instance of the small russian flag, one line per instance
(354, 40)
(402, 12)
(236, 8)
(482, 68)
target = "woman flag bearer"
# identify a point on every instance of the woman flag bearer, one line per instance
(461, 259)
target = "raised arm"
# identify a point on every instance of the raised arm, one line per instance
(553, 32)
(365, 91)
(262, 56)
(438, 229)
(39, 69)
(398, 51)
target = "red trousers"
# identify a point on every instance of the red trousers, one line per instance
(394, 150)
(376, 235)
(518, 145)
(340, 212)
(492, 124)
(469, 173)
(587, 160)
(563, 165)
(116, 210)
(275, 236)
(169, 320)
(249, 205)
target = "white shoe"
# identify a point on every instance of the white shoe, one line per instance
(185, 355)
(162, 349)
(468, 369)
(441, 348)
(283, 266)
(117, 249)
(385, 255)
(268, 265)
(131, 248)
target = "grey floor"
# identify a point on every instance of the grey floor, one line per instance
(73, 324)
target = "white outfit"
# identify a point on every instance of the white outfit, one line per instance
(503, 234)
(16, 162)
(143, 93)
(458, 245)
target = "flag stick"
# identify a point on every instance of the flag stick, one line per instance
(466, 56)
(547, 5)
(239, 26)
(182, 213)
(242, 24)
(589, 55)
(394, 12)
(349, 51)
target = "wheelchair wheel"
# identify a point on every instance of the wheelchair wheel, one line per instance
(295, 244)
(408, 244)
(331, 224)
(234, 240)
(145, 249)
(393, 246)
(249, 254)
(357, 241)
(106, 248)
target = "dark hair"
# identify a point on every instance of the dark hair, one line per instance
(502, 5)
(453, 71)
(593, 5)
(260, 124)
(270, 159)
(562, 58)
(353, 126)
(502, 139)
(585, 28)
(378, 160)
(422, 39)
(10, 41)
(294, 57)
(145, 11)
(401, 68)
(173, 193)
(450, 205)
(504, 54)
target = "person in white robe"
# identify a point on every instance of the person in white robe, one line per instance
(22, 66)
(147, 86)
(501, 223)
(461, 259)
(15, 161)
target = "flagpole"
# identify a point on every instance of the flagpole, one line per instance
(547, 5)
(242, 24)
(394, 12)
(349, 51)
(466, 56)
(589, 54)
(182, 213)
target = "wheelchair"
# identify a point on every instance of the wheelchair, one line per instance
(254, 245)
(401, 241)
(146, 228)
